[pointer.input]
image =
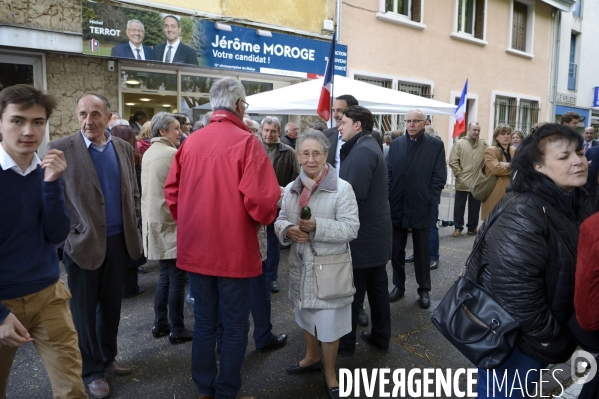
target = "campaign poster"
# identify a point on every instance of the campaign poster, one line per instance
(121, 32)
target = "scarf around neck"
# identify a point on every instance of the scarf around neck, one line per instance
(310, 185)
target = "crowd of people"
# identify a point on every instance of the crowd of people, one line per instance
(117, 193)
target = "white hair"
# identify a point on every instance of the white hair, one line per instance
(206, 118)
(120, 122)
(225, 93)
(418, 111)
(136, 21)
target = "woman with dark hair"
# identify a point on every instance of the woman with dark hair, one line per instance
(131, 286)
(529, 254)
(497, 162)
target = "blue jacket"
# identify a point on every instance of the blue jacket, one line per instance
(124, 51)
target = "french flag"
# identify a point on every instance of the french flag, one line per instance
(324, 103)
(460, 114)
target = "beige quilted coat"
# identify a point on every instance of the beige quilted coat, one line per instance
(335, 210)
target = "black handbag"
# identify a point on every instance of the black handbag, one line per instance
(471, 319)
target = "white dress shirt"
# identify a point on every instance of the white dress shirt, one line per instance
(141, 51)
(175, 45)
(95, 146)
(337, 156)
(6, 162)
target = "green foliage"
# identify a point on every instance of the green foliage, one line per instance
(187, 25)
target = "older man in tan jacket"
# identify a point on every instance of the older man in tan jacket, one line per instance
(466, 154)
(160, 230)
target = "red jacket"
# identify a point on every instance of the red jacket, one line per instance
(586, 294)
(220, 186)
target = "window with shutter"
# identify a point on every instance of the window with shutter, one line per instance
(410, 8)
(471, 18)
(519, 19)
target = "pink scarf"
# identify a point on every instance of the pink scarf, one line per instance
(310, 185)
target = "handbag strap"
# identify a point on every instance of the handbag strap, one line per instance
(482, 234)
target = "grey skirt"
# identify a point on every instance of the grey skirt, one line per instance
(327, 324)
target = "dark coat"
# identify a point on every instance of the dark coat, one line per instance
(124, 51)
(364, 168)
(333, 135)
(285, 164)
(531, 255)
(417, 174)
(184, 54)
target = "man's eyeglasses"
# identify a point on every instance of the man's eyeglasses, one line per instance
(246, 105)
(316, 155)
(414, 121)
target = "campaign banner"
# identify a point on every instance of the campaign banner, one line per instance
(120, 32)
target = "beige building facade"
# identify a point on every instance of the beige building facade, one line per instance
(430, 47)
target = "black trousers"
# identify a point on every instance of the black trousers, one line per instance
(422, 258)
(374, 281)
(96, 306)
(460, 207)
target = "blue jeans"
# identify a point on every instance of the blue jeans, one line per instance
(232, 297)
(519, 362)
(170, 296)
(273, 254)
(433, 237)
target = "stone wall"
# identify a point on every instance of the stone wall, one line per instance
(68, 77)
(60, 16)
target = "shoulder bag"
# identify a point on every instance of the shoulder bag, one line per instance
(471, 319)
(333, 275)
(482, 185)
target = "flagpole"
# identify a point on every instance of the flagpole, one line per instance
(333, 81)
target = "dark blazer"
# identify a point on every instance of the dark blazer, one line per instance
(124, 51)
(285, 164)
(184, 54)
(417, 174)
(592, 156)
(365, 169)
(86, 242)
(333, 134)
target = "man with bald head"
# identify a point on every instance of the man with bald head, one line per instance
(291, 132)
(103, 202)
(417, 175)
(589, 138)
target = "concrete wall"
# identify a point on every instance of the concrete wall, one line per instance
(70, 76)
(60, 16)
(431, 54)
(305, 15)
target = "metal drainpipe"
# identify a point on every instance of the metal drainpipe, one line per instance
(556, 76)
(339, 3)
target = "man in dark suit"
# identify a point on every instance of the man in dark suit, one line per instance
(589, 139)
(417, 175)
(134, 49)
(341, 104)
(103, 202)
(173, 50)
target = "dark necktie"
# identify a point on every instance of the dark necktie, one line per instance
(138, 54)
(168, 54)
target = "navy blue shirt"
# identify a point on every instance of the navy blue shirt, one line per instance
(33, 220)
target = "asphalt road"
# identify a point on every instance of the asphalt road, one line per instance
(163, 370)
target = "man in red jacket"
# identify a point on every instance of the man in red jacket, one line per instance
(220, 188)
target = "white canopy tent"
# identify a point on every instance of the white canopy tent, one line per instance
(302, 99)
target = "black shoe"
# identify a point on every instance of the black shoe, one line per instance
(410, 259)
(297, 369)
(277, 341)
(274, 287)
(142, 269)
(434, 264)
(367, 337)
(180, 336)
(362, 318)
(334, 393)
(158, 332)
(396, 294)
(345, 353)
(425, 300)
(139, 292)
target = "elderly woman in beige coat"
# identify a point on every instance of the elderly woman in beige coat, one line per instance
(160, 230)
(497, 162)
(334, 222)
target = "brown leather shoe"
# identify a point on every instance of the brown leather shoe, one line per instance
(99, 388)
(457, 233)
(473, 232)
(118, 368)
